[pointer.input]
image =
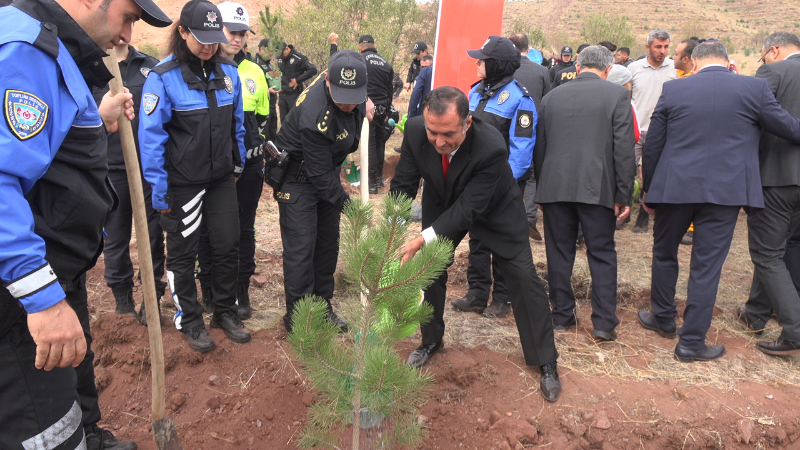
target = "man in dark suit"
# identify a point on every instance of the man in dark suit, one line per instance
(770, 228)
(469, 187)
(701, 164)
(584, 161)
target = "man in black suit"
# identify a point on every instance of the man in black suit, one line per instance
(769, 229)
(701, 164)
(469, 187)
(585, 163)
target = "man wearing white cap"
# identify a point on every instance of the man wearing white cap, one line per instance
(255, 100)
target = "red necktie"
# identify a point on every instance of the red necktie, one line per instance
(445, 165)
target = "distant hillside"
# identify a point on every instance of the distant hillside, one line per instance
(741, 24)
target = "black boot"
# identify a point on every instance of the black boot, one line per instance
(243, 300)
(123, 295)
(642, 221)
(208, 298)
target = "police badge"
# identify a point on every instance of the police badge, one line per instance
(228, 84)
(251, 85)
(503, 97)
(149, 102)
(25, 113)
(144, 71)
(524, 120)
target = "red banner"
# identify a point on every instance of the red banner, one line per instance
(463, 25)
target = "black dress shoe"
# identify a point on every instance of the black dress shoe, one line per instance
(649, 321)
(533, 233)
(420, 356)
(570, 323)
(605, 335)
(232, 326)
(469, 303)
(741, 316)
(100, 439)
(780, 348)
(707, 353)
(550, 384)
(337, 321)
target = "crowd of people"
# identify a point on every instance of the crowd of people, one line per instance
(575, 138)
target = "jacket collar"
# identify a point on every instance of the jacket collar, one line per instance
(713, 69)
(588, 75)
(489, 91)
(88, 56)
(371, 49)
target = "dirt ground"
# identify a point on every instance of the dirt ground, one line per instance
(628, 394)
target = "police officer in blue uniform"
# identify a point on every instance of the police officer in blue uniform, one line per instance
(319, 133)
(505, 104)
(53, 183)
(191, 137)
(134, 67)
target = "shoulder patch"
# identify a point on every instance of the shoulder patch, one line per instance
(144, 71)
(300, 99)
(149, 101)
(251, 85)
(25, 113)
(503, 97)
(322, 126)
(524, 124)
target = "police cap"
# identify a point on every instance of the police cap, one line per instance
(152, 14)
(347, 75)
(498, 48)
(204, 21)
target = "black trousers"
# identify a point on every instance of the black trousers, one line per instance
(770, 230)
(77, 298)
(215, 205)
(272, 122)
(482, 269)
(287, 101)
(248, 193)
(713, 232)
(528, 301)
(116, 244)
(561, 221)
(38, 406)
(378, 135)
(310, 236)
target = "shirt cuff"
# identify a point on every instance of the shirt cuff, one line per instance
(429, 235)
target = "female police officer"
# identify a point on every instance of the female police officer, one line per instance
(319, 132)
(191, 137)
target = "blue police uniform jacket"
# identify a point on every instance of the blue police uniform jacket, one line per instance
(508, 107)
(53, 168)
(190, 132)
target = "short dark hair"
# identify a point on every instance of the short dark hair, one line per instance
(609, 45)
(710, 49)
(427, 57)
(581, 47)
(178, 48)
(625, 50)
(690, 45)
(520, 40)
(439, 100)
(779, 38)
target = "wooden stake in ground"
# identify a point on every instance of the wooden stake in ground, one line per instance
(164, 432)
(364, 153)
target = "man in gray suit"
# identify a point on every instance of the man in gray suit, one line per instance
(701, 165)
(770, 228)
(536, 80)
(585, 164)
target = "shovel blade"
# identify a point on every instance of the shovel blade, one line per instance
(166, 435)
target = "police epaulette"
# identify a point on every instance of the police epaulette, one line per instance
(166, 67)
(47, 40)
(227, 61)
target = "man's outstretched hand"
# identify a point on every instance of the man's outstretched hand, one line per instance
(58, 335)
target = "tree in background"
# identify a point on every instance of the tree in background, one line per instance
(393, 23)
(361, 379)
(269, 25)
(607, 27)
(532, 28)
